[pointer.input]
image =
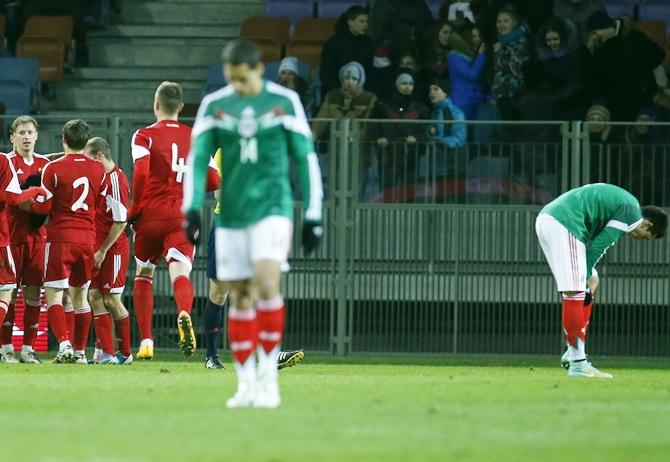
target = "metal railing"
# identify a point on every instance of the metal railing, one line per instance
(432, 249)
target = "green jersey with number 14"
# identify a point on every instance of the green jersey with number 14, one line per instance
(257, 134)
(598, 215)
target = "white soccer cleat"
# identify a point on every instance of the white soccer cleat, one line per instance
(8, 357)
(97, 354)
(584, 369)
(29, 357)
(104, 358)
(243, 397)
(65, 353)
(119, 359)
(80, 357)
(267, 396)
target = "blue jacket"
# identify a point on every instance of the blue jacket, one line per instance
(467, 92)
(453, 135)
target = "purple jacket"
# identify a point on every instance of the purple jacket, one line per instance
(467, 91)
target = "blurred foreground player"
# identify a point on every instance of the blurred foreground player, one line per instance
(575, 230)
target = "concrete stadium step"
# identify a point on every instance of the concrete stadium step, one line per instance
(187, 31)
(188, 11)
(154, 52)
(110, 95)
(176, 74)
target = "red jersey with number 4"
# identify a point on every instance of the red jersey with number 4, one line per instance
(9, 184)
(112, 207)
(165, 145)
(19, 224)
(73, 184)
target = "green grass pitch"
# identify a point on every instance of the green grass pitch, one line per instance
(385, 409)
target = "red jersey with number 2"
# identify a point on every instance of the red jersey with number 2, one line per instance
(165, 145)
(73, 184)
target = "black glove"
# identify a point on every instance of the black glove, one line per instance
(588, 298)
(32, 180)
(192, 226)
(312, 232)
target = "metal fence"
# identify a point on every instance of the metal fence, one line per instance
(432, 249)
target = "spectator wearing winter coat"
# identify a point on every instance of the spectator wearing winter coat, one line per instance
(350, 43)
(466, 65)
(577, 12)
(388, 15)
(350, 101)
(437, 50)
(288, 76)
(622, 66)
(452, 135)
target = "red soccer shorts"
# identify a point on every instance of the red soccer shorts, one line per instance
(162, 238)
(111, 277)
(7, 269)
(29, 260)
(68, 264)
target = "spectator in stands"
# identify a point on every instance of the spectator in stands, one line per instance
(622, 65)
(460, 12)
(534, 12)
(454, 134)
(350, 101)
(599, 129)
(466, 65)
(398, 142)
(436, 59)
(350, 43)
(578, 11)
(510, 55)
(390, 15)
(287, 76)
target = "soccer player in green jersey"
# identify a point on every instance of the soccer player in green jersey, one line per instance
(258, 125)
(575, 230)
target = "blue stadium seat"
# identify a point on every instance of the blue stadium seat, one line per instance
(335, 8)
(655, 10)
(215, 79)
(618, 8)
(19, 86)
(292, 9)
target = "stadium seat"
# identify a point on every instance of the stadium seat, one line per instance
(270, 34)
(655, 10)
(25, 71)
(215, 79)
(619, 8)
(335, 8)
(49, 39)
(292, 9)
(655, 30)
(308, 38)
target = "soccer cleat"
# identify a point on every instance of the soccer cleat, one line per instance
(122, 360)
(186, 334)
(29, 357)
(80, 358)
(213, 362)
(104, 358)
(65, 353)
(565, 360)
(97, 354)
(267, 396)
(145, 353)
(584, 369)
(289, 358)
(8, 357)
(243, 397)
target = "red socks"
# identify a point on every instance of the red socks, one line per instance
(102, 324)
(242, 333)
(143, 300)
(271, 315)
(573, 318)
(4, 307)
(7, 326)
(56, 316)
(82, 324)
(122, 328)
(183, 294)
(31, 321)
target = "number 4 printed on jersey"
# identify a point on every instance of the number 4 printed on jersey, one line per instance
(178, 164)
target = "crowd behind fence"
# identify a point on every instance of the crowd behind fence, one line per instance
(430, 249)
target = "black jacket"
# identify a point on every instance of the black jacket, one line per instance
(343, 48)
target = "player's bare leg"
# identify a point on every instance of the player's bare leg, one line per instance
(102, 325)
(5, 298)
(82, 320)
(183, 296)
(68, 307)
(242, 337)
(143, 301)
(31, 324)
(57, 323)
(7, 354)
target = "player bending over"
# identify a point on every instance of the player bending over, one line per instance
(258, 125)
(575, 230)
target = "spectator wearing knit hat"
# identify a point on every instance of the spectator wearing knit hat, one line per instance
(288, 76)
(622, 65)
(450, 134)
(350, 101)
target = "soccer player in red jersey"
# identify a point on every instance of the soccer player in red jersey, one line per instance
(159, 155)
(111, 259)
(72, 185)
(28, 237)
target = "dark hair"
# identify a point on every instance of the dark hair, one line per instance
(510, 10)
(553, 25)
(242, 52)
(24, 119)
(352, 13)
(76, 134)
(170, 96)
(100, 145)
(658, 219)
